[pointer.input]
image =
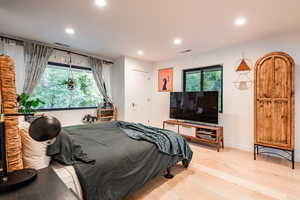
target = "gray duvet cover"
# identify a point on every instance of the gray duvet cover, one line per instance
(122, 164)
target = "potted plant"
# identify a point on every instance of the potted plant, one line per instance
(28, 105)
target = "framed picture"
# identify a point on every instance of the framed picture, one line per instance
(165, 80)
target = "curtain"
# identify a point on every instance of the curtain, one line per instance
(36, 58)
(2, 46)
(97, 69)
(106, 72)
(15, 50)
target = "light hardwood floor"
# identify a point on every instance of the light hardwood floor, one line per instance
(229, 174)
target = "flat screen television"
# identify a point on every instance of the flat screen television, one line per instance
(194, 106)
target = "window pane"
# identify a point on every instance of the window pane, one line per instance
(212, 82)
(53, 91)
(193, 81)
(86, 93)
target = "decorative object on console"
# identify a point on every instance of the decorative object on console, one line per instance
(274, 104)
(243, 81)
(165, 80)
(13, 175)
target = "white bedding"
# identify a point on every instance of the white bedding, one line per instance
(68, 175)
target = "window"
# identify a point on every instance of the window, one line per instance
(53, 91)
(205, 79)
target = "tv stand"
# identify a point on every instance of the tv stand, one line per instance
(209, 134)
(199, 123)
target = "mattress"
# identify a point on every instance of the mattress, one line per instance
(68, 175)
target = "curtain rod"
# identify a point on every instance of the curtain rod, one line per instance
(17, 39)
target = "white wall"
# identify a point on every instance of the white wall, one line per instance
(237, 117)
(120, 84)
(70, 117)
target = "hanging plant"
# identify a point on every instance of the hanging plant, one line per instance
(70, 83)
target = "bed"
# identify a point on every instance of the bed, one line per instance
(111, 163)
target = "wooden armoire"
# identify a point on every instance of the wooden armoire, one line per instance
(274, 104)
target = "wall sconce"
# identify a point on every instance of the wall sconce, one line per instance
(243, 81)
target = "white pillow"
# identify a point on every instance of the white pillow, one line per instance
(34, 153)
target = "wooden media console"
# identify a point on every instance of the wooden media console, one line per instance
(209, 134)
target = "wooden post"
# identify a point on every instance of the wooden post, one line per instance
(8, 106)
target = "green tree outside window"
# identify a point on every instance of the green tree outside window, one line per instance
(204, 79)
(53, 91)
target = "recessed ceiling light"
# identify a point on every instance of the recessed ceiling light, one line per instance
(100, 3)
(140, 52)
(177, 41)
(240, 21)
(70, 31)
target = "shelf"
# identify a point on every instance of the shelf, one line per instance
(106, 117)
(206, 133)
(206, 140)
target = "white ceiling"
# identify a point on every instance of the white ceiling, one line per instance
(126, 26)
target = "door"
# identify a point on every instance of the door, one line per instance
(139, 96)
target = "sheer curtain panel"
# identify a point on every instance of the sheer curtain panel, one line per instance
(36, 60)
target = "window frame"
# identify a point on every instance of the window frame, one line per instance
(202, 70)
(70, 108)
